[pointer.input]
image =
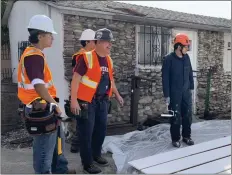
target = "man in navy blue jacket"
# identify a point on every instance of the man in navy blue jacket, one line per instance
(177, 80)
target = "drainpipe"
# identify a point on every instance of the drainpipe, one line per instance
(206, 112)
(7, 11)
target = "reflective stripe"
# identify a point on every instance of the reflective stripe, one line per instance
(49, 84)
(87, 82)
(22, 71)
(29, 52)
(30, 86)
(90, 59)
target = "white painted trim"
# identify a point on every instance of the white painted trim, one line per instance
(137, 45)
(216, 166)
(195, 98)
(157, 159)
(225, 172)
(188, 162)
(226, 58)
(142, 66)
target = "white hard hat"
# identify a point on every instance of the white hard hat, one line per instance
(87, 35)
(41, 22)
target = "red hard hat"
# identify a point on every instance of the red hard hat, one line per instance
(182, 39)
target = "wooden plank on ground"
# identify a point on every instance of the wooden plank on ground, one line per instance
(179, 153)
(188, 162)
(216, 166)
(225, 172)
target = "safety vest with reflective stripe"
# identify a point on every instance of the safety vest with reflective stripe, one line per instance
(76, 55)
(89, 82)
(26, 91)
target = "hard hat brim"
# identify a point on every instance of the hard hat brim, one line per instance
(54, 32)
(105, 39)
(81, 39)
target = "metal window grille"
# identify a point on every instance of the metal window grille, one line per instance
(21, 47)
(5, 51)
(6, 74)
(6, 71)
(153, 44)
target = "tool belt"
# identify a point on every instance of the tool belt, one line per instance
(104, 98)
(84, 107)
(83, 113)
(39, 119)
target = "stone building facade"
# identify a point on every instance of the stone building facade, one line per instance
(123, 55)
(151, 103)
(210, 55)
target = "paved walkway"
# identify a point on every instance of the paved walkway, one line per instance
(19, 161)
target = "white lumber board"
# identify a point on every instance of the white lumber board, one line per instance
(216, 166)
(188, 162)
(179, 153)
(225, 172)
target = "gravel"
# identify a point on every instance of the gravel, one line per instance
(17, 138)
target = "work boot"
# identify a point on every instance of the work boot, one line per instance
(176, 144)
(188, 141)
(101, 161)
(74, 149)
(71, 171)
(92, 169)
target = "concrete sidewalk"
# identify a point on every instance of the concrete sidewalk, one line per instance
(19, 161)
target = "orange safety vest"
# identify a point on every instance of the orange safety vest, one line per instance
(26, 91)
(76, 55)
(89, 82)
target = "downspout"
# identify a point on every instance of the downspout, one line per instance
(6, 14)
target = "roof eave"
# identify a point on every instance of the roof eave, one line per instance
(137, 19)
(170, 23)
(81, 12)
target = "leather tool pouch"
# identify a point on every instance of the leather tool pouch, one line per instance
(83, 113)
(39, 120)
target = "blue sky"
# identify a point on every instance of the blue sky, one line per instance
(208, 8)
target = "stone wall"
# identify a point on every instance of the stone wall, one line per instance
(210, 55)
(9, 105)
(122, 53)
(151, 103)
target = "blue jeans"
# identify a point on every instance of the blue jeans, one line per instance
(45, 154)
(92, 131)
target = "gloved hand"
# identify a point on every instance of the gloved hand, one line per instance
(167, 100)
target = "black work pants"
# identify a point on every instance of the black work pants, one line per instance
(92, 131)
(75, 142)
(181, 103)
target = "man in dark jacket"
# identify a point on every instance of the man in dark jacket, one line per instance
(177, 79)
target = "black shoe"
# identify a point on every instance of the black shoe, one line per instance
(188, 141)
(101, 161)
(74, 149)
(71, 171)
(176, 144)
(92, 169)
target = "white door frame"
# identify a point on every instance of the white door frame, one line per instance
(227, 53)
(193, 57)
